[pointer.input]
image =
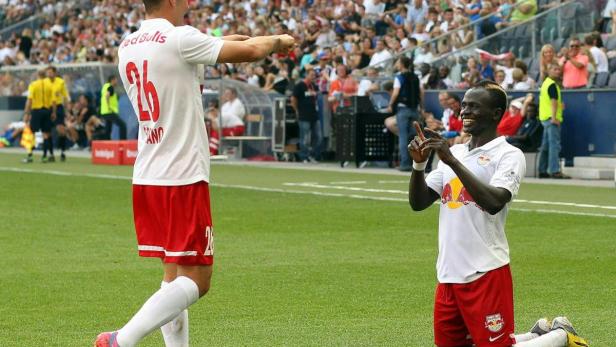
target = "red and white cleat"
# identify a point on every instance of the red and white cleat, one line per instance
(106, 340)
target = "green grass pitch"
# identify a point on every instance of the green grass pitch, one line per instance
(303, 258)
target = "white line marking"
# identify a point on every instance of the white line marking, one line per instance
(539, 202)
(349, 182)
(404, 192)
(279, 190)
(64, 173)
(540, 210)
(368, 190)
(392, 182)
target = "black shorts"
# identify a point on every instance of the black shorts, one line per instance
(59, 115)
(41, 120)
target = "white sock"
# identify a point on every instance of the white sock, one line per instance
(175, 333)
(555, 338)
(525, 337)
(162, 307)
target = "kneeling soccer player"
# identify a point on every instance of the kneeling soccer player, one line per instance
(475, 183)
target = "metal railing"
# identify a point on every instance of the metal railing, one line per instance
(80, 78)
(387, 65)
(553, 26)
(548, 32)
(33, 23)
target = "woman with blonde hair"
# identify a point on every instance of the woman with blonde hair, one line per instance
(547, 56)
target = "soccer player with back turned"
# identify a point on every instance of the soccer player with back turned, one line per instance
(40, 112)
(61, 98)
(158, 66)
(475, 183)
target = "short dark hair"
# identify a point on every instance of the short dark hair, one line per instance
(52, 68)
(111, 78)
(521, 65)
(454, 96)
(590, 39)
(406, 62)
(497, 93)
(388, 86)
(88, 99)
(151, 5)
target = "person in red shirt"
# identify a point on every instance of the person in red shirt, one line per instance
(342, 88)
(453, 124)
(574, 63)
(512, 119)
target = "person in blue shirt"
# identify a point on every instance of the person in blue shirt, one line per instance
(473, 9)
(485, 69)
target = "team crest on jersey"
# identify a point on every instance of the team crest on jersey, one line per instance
(494, 322)
(483, 160)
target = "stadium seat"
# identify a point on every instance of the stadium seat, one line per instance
(582, 16)
(601, 79)
(612, 83)
(522, 51)
(534, 74)
(253, 133)
(568, 28)
(541, 4)
(610, 44)
(558, 44)
(534, 65)
(612, 66)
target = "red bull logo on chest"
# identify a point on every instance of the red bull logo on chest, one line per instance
(455, 195)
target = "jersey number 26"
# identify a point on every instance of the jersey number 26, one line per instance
(151, 96)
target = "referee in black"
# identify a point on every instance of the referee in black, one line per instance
(40, 113)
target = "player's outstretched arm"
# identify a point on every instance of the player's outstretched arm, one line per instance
(254, 49)
(235, 37)
(420, 195)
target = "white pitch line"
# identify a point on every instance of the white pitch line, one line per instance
(563, 212)
(349, 182)
(324, 186)
(392, 182)
(304, 192)
(391, 191)
(539, 202)
(64, 173)
(280, 190)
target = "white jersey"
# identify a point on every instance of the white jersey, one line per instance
(470, 240)
(159, 67)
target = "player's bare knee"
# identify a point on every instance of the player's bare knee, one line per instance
(204, 288)
(201, 275)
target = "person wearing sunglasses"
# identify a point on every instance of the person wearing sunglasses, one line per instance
(575, 66)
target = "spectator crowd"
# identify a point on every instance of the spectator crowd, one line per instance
(354, 33)
(343, 44)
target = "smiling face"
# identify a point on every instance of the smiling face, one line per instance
(454, 105)
(548, 54)
(479, 113)
(574, 46)
(555, 71)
